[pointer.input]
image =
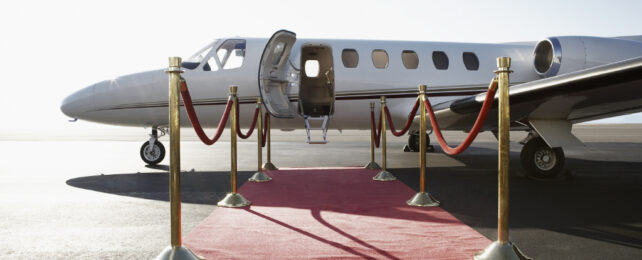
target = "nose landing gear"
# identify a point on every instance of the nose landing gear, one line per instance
(153, 152)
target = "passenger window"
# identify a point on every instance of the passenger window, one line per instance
(311, 68)
(231, 54)
(440, 59)
(350, 58)
(410, 59)
(380, 59)
(470, 61)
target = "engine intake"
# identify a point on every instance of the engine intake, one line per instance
(560, 55)
(547, 57)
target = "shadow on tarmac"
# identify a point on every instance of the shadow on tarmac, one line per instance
(593, 216)
(196, 187)
(601, 203)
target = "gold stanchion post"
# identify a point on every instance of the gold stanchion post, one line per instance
(372, 165)
(268, 165)
(260, 176)
(502, 248)
(383, 175)
(176, 250)
(233, 199)
(422, 198)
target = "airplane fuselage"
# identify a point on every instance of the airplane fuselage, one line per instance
(141, 99)
(555, 83)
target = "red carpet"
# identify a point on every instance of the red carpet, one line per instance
(332, 213)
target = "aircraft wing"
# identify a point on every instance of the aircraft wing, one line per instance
(599, 92)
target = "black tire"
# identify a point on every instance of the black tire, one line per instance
(413, 142)
(154, 156)
(541, 161)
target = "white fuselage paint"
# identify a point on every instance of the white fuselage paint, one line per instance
(141, 99)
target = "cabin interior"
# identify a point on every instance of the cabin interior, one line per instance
(316, 89)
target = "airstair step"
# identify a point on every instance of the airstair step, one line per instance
(323, 128)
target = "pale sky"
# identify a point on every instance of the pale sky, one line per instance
(53, 48)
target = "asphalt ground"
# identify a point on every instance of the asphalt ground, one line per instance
(87, 195)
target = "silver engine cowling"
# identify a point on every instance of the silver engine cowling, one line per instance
(559, 55)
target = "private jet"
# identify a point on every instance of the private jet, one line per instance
(556, 82)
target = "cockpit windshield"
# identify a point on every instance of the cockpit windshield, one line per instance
(199, 55)
(229, 55)
(193, 61)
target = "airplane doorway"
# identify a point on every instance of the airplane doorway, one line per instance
(316, 87)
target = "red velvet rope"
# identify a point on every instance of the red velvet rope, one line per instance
(238, 128)
(264, 134)
(377, 131)
(490, 96)
(193, 118)
(406, 126)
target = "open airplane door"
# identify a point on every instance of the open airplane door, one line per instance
(273, 83)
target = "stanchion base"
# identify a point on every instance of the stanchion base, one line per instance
(260, 177)
(423, 199)
(269, 166)
(176, 253)
(372, 166)
(233, 200)
(497, 250)
(384, 176)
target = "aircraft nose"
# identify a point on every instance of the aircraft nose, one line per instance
(78, 103)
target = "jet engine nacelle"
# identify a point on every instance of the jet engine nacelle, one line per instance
(558, 55)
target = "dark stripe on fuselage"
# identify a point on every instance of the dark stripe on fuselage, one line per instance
(352, 95)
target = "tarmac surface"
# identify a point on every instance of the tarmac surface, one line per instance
(87, 195)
